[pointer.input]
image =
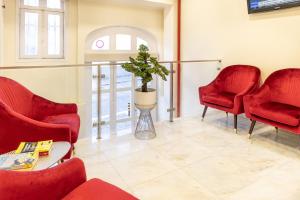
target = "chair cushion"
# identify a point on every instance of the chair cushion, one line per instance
(278, 112)
(97, 189)
(224, 99)
(72, 120)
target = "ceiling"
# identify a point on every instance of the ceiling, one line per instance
(156, 4)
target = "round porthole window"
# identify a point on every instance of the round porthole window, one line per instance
(100, 44)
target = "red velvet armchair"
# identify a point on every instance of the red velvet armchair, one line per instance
(277, 102)
(226, 92)
(27, 117)
(66, 181)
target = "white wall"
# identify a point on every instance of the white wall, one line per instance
(169, 54)
(61, 84)
(93, 15)
(223, 29)
(82, 17)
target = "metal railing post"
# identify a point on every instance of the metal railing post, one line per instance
(99, 122)
(171, 109)
(220, 65)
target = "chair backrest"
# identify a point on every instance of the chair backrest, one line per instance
(236, 78)
(285, 86)
(39, 185)
(15, 96)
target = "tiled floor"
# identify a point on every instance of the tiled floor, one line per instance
(191, 159)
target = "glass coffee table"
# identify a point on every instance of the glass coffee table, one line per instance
(58, 151)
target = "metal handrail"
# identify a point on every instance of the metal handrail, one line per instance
(99, 64)
(114, 63)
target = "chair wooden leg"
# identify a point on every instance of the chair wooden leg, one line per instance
(235, 123)
(277, 131)
(251, 128)
(204, 112)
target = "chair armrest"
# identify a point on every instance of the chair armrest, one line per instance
(260, 96)
(43, 107)
(52, 183)
(255, 99)
(238, 99)
(206, 90)
(16, 128)
(252, 88)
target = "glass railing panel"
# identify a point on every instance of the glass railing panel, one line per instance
(163, 96)
(117, 113)
(193, 76)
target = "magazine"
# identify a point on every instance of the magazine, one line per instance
(22, 161)
(43, 147)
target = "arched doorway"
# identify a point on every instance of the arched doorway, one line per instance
(109, 46)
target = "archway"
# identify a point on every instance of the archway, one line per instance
(109, 46)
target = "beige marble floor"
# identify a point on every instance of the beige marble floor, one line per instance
(191, 159)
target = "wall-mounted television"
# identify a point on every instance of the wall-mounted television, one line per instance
(255, 6)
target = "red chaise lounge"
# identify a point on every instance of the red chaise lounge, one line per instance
(27, 117)
(277, 102)
(66, 181)
(226, 92)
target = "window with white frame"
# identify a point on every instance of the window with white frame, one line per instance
(41, 29)
(119, 40)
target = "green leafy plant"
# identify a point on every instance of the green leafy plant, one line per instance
(145, 66)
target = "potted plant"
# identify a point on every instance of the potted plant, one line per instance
(146, 67)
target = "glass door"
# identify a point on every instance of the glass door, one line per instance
(117, 109)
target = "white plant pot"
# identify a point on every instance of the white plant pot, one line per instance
(145, 99)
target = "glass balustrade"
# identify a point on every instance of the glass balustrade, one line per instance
(104, 92)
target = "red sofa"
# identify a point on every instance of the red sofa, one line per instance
(226, 92)
(277, 102)
(66, 181)
(27, 117)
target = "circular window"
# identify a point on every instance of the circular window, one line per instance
(99, 44)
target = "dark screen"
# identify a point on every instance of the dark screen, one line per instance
(267, 5)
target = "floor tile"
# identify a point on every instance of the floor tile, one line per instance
(182, 152)
(199, 160)
(175, 185)
(281, 183)
(142, 166)
(106, 172)
(223, 176)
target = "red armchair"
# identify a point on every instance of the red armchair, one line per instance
(25, 116)
(277, 102)
(226, 92)
(66, 181)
